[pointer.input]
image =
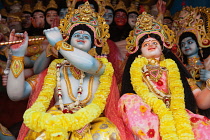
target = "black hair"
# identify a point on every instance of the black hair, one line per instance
(168, 18)
(93, 2)
(133, 13)
(37, 11)
(26, 12)
(192, 35)
(184, 74)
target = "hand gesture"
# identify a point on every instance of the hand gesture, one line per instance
(161, 6)
(204, 74)
(20, 48)
(53, 35)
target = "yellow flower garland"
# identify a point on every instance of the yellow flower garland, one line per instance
(174, 122)
(57, 126)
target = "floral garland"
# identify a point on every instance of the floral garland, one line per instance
(174, 122)
(57, 126)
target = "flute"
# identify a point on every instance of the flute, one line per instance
(19, 41)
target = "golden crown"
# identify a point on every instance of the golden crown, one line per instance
(39, 6)
(52, 4)
(86, 15)
(121, 5)
(101, 5)
(15, 16)
(108, 3)
(27, 8)
(195, 20)
(3, 12)
(146, 24)
(133, 8)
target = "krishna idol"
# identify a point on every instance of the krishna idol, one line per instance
(82, 85)
(157, 101)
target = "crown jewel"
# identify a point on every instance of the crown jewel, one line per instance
(39, 6)
(86, 15)
(52, 4)
(146, 24)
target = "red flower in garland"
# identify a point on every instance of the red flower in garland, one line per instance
(194, 119)
(151, 133)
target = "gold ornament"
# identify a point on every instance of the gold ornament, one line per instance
(27, 8)
(52, 4)
(64, 46)
(133, 8)
(86, 15)
(101, 5)
(15, 17)
(108, 3)
(196, 21)
(146, 24)
(121, 6)
(39, 6)
(17, 65)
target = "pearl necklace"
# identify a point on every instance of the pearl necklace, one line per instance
(76, 105)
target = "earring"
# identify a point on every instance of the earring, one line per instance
(92, 51)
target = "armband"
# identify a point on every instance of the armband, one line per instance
(64, 46)
(17, 65)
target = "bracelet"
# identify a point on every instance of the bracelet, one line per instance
(208, 84)
(192, 84)
(100, 66)
(64, 46)
(17, 65)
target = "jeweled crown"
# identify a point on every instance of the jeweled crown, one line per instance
(195, 20)
(52, 4)
(101, 5)
(146, 24)
(27, 8)
(86, 15)
(133, 8)
(39, 6)
(121, 5)
(108, 3)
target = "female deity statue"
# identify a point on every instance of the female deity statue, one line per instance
(157, 100)
(193, 41)
(83, 86)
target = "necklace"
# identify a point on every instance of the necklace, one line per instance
(59, 125)
(174, 121)
(165, 96)
(80, 89)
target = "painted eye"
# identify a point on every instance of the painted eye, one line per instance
(183, 44)
(77, 35)
(145, 45)
(86, 37)
(190, 42)
(155, 43)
